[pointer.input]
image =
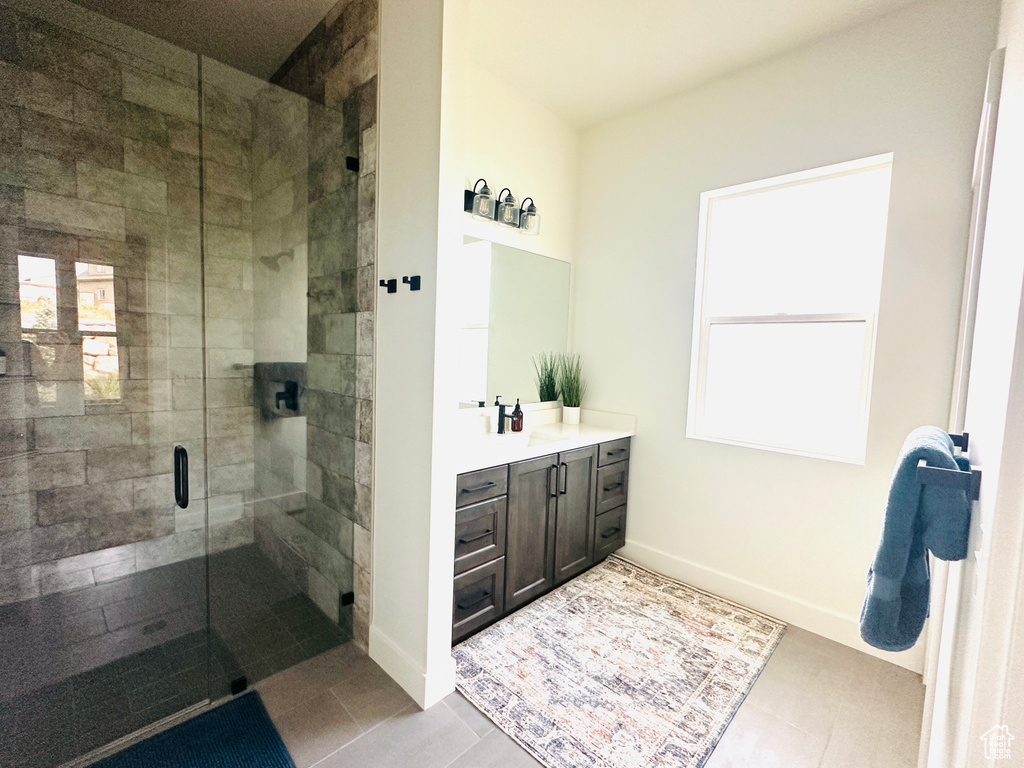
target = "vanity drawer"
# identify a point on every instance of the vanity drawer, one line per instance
(609, 533)
(479, 533)
(480, 486)
(612, 482)
(616, 450)
(478, 598)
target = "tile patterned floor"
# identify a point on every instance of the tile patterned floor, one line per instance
(81, 669)
(817, 704)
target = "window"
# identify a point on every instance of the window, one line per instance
(49, 326)
(788, 278)
(37, 291)
(97, 325)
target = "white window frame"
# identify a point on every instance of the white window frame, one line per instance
(702, 325)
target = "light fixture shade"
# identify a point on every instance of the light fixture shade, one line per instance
(479, 203)
(508, 209)
(529, 219)
(483, 204)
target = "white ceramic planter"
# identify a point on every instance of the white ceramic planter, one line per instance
(570, 415)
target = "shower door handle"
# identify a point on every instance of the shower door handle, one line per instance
(180, 476)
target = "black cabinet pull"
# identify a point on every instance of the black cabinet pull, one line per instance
(565, 479)
(616, 452)
(473, 603)
(471, 539)
(612, 487)
(180, 476)
(478, 488)
(610, 532)
(553, 484)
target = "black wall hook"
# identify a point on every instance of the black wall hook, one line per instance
(414, 282)
(391, 285)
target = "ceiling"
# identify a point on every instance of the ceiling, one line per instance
(255, 36)
(588, 60)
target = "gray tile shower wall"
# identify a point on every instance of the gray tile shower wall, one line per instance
(336, 65)
(99, 164)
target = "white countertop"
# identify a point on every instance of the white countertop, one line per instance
(489, 449)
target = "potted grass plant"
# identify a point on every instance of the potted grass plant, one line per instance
(546, 366)
(572, 385)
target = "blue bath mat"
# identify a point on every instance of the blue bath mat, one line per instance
(238, 734)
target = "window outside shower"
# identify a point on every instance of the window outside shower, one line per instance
(53, 333)
(788, 280)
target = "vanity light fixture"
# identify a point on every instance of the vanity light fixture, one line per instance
(480, 203)
(508, 211)
(529, 219)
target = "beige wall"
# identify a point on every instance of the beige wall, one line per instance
(788, 535)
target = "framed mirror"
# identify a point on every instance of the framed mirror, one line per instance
(513, 305)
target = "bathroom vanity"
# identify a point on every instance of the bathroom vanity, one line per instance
(526, 526)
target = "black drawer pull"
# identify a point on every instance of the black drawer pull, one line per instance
(471, 539)
(616, 452)
(478, 488)
(612, 487)
(610, 532)
(473, 603)
(565, 479)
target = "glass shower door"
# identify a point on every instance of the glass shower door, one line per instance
(177, 275)
(103, 586)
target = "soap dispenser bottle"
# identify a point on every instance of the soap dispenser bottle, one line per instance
(517, 418)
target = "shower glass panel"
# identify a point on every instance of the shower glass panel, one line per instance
(177, 268)
(103, 585)
(279, 208)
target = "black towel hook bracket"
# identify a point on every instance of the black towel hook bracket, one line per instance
(970, 481)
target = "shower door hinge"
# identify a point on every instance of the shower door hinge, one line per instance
(348, 598)
(352, 163)
(238, 685)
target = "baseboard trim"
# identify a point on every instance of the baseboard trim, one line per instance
(398, 664)
(426, 687)
(792, 610)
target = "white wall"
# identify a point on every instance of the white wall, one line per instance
(788, 535)
(512, 141)
(986, 600)
(486, 129)
(404, 584)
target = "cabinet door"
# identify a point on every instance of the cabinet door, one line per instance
(530, 530)
(574, 533)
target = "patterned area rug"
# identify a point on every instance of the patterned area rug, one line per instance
(619, 667)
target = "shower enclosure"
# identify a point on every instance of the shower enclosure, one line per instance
(177, 277)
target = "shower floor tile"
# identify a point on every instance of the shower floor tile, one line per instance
(81, 669)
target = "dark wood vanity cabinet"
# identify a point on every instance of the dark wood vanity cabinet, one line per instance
(524, 528)
(574, 518)
(532, 504)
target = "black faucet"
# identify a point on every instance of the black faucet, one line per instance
(289, 396)
(501, 415)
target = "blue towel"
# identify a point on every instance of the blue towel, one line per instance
(917, 519)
